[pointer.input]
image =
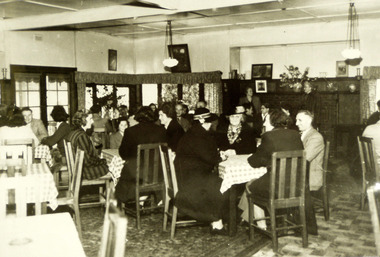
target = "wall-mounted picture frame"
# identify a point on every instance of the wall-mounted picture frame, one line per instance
(262, 71)
(112, 60)
(341, 69)
(261, 86)
(181, 53)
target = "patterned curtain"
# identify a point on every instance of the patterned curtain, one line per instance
(169, 93)
(81, 89)
(190, 95)
(213, 96)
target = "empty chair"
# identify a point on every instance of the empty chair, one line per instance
(103, 181)
(17, 152)
(370, 169)
(114, 231)
(148, 179)
(171, 189)
(287, 190)
(72, 197)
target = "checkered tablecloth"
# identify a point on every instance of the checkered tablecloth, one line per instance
(42, 152)
(114, 162)
(236, 170)
(39, 183)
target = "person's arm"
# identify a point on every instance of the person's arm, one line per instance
(62, 131)
(313, 147)
(262, 157)
(41, 130)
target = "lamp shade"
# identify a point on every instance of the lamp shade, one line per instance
(351, 53)
(170, 62)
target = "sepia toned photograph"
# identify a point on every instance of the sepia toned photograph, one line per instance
(262, 71)
(341, 69)
(261, 86)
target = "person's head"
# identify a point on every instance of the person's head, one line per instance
(378, 105)
(304, 120)
(249, 91)
(278, 119)
(28, 114)
(82, 119)
(235, 119)
(202, 104)
(204, 117)
(123, 111)
(59, 113)
(179, 110)
(307, 87)
(166, 113)
(16, 119)
(265, 108)
(122, 124)
(96, 109)
(153, 107)
(248, 109)
(145, 114)
(185, 109)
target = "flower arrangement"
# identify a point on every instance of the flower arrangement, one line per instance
(294, 78)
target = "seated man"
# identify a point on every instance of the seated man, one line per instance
(373, 131)
(314, 146)
(36, 125)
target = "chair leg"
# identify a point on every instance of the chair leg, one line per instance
(273, 229)
(325, 199)
(250, 219)
(138, 221)
(166, 210)
(363, 196)
(77, 220)
(304, 228)
(174, 221)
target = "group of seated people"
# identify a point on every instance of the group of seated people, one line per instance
(200, 141)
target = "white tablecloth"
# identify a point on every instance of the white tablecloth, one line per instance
(40, 236)
(236, 170)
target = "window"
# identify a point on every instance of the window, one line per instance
(100, 94)
(57, 92)
(28, 92)
(149, 92)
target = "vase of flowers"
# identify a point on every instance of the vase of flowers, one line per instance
(294, 78)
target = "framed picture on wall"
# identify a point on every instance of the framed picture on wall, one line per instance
(181, 53)
(262, 71)
(112, 60)
(261, 86)
(341, 69)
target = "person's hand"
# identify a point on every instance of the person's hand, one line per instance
(223, 155)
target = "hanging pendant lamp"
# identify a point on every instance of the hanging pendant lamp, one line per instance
(169, 62)
(352, 53)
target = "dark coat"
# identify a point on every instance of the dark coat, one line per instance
(142, 133)
(272, 141)
(174, 132)
(256, 103)
(374, 118)
(57, 138)
(199, 188)
(244, 144)
(93, 166)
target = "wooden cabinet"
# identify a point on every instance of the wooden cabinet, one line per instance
(7, 93)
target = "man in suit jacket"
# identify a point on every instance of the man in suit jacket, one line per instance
(314, 146)
(174, 130)
(36, 125)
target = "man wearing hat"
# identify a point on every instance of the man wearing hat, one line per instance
(199, 188)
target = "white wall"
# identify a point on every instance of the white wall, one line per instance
(299, 45)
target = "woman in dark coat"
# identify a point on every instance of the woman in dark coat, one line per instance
(278, 139)
(237, 135)
(145, 132)
(93, 166)
(199, 188)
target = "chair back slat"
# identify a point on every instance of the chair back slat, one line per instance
(69, 159)
(368, 158)
(288, 175)
(373, 193)
(170, 177)
(148, 163)
(74, 186)
(16, 152)
(326, 162)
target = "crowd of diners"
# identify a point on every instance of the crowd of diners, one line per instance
(199, 139)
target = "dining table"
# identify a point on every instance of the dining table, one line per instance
(234, 171)
(40, 236)
(115, 163)
(39, 182)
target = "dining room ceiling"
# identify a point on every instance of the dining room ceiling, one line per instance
(136, 18)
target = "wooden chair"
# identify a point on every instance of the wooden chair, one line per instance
(324, 190)
(171, 190)
(148, 181)
(287, 190)
(72, 197)
(373, 194)
(104, 181)
(14, 186)
(114, 231)
(370, 169)
(17, 152)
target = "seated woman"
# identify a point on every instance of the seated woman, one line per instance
(199, 188)
(116, 137)
(16, 128)
(102, 128)
(145, 132)
(174, 131)
(237, 135)
(93, 166)
(60, 116)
